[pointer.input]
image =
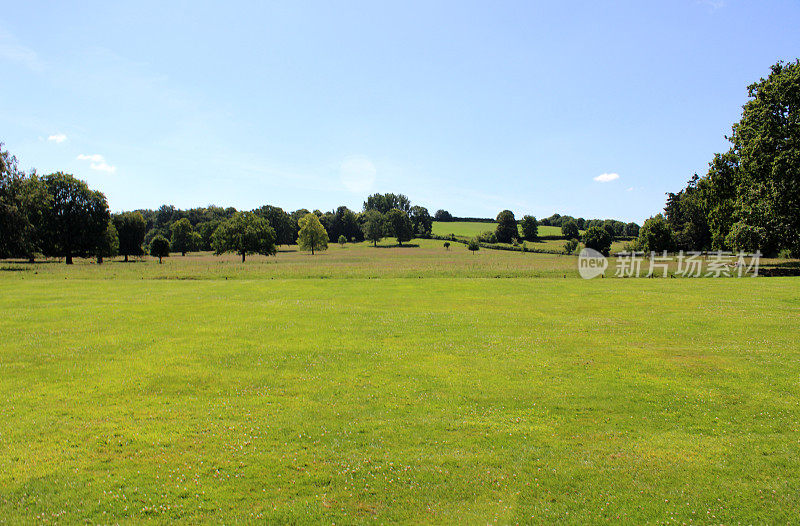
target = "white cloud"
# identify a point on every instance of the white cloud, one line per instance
(607, 177)
(357, 174)
(629, 189)
(58, 138)
(98, 162)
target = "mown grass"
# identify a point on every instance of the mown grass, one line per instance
(472, 228)
(450, 399)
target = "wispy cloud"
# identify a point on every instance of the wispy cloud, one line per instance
(606, 178)
(630, 189)
(57, 138)
(13, 51)
(713, 5)
(98, 162)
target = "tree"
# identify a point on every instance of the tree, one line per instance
(312, 234)
(342, 240)
(597, 238)
(181, 236)
(421, 221)
(24, 202)
(506, 227)
(399, 225)
(570, 230)
(159, 247)
(570, 246)
(686, 215)
(131, 228)
(447, 245)
(284, 224)
(244, 233)
(443, 215)
(656, 235)
(745, 238)
(385, 202)
(473, 245)
(76, 219)
(632, 230)
(530, 228)
(108, 243)
(373, 226)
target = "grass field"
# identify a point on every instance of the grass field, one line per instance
(472, 228)
(405, 385)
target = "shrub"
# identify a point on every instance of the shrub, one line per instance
(570, 246)
(342, 240)
(447, 245)
(473, 245)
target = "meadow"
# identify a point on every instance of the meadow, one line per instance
(394, 385)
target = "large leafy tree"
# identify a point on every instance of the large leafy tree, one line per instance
(108, 243)
(244, 233)
(374, 227)
(159, 247)
(530, 228)
(182, 239)
(76, 219)
(131, 229)
(23, 203)
(421, 221)
(506, 227)
(656, 235)
(569, 229)
(399, 225)
(312, 234)
(284, 224)
(597, 238)
(686, 215)
(385, 202)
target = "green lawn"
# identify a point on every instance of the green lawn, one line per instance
(205, 390)
(472, 228)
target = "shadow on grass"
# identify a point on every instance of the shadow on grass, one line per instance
(407, 245)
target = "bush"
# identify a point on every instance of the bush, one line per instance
(597, 238)
(447, 245)
(473, 245)
(342, 240)
(487, 237)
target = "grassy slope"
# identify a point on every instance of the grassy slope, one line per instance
(408, 400)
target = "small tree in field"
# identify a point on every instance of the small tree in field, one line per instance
(598, 239)
(447, 245)
(570, 246)
(530, 228)
(159, 248)
(312, 234)
(473, 245)
(342, 240)
(244, 233)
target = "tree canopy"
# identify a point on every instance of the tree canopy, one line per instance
(245, 233)
(399, 225)
(506, 227)
(312, 234)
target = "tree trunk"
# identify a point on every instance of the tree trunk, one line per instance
(99, 260)
(69, 259)
(126, 258)
(31, 259)
(243, 257)
(159, 260)
(312, 250)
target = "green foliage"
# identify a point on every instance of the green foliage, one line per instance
(421, 221)
(342, 240)
(245, 233)
(446, 245)
(569, 229)
(487, 237)
(383, 203)
(285, 226)
(632, 230)
(686, 215)
(159, 247)
(108, 243)
(597, 238)
(182, 236)
(656, 235)
(76, 218)
(443, 215)
(131, 228)
(374, 226)
(745, 238)
(399, 225)
(570, 246)
(473, 245)
(530, 228)
(24, 202)
(506, 227)
(312, 234)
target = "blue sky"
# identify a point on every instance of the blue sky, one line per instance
(469, 106)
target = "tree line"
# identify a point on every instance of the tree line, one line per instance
(749, 200)
(57, 215)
